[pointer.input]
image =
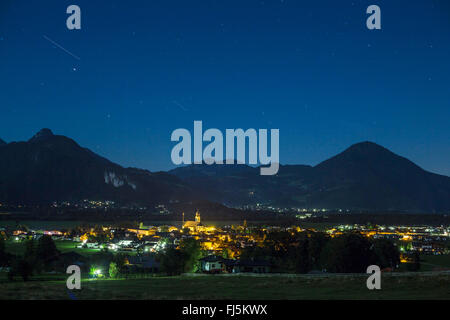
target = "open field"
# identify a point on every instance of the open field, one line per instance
(433, 263)
(401, 286)
(43, 224)
(17, 248)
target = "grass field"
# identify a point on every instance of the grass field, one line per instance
(17, 248)
(432, 263)
(406, 286)
(44, 224)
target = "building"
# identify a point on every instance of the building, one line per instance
(215, 264)
(251, 266)
(142, 264)
(212, 264)
(143, 230)
(193, 226)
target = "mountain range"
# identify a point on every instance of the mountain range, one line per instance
(366, 176)
(50, 168)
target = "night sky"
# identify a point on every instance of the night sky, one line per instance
(137, 70)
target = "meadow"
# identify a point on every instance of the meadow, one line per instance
(18, 247)
(394, 287)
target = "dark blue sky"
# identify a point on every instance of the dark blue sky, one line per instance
(309, 68)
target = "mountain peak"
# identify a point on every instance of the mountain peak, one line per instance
(363, 153)
(366, 148)
(366, 144)
(2, 143)
(42, 134)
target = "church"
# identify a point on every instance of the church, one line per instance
(193, 225)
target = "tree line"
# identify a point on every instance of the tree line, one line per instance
(303, 252)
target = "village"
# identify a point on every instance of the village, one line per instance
(221, 249)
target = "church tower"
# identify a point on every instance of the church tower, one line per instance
(197, 217)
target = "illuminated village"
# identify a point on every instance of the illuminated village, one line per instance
(222, 248)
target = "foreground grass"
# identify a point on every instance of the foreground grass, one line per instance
(434, 263)
(410, 286)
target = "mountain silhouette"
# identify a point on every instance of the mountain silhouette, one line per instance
(50, 168)
(366, 176)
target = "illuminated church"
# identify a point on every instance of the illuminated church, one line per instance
(193, 225)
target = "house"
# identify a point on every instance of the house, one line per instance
(251, 266)
(212, 264)
(215, 264)
(142, 263)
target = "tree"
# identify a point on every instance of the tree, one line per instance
(301, 254)
(348, 253)
(387, 255)
(120, 260)
(30, 249)
(25, 269)
(192, 252)
(280, 242)
(255, 253)
(20, 267)
(100, 261)
(30, 255)
(316, 242)
(172, 261)
(113, 270)
(46, 250)
(226, 253)
(99, 235)
(4, 259)
(415, 264)
(2, 245)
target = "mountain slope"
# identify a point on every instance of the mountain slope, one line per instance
(366, 176)
(50, 168)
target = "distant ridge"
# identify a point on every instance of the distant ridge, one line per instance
(365, 176)
(51, 167)
(42, 135)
